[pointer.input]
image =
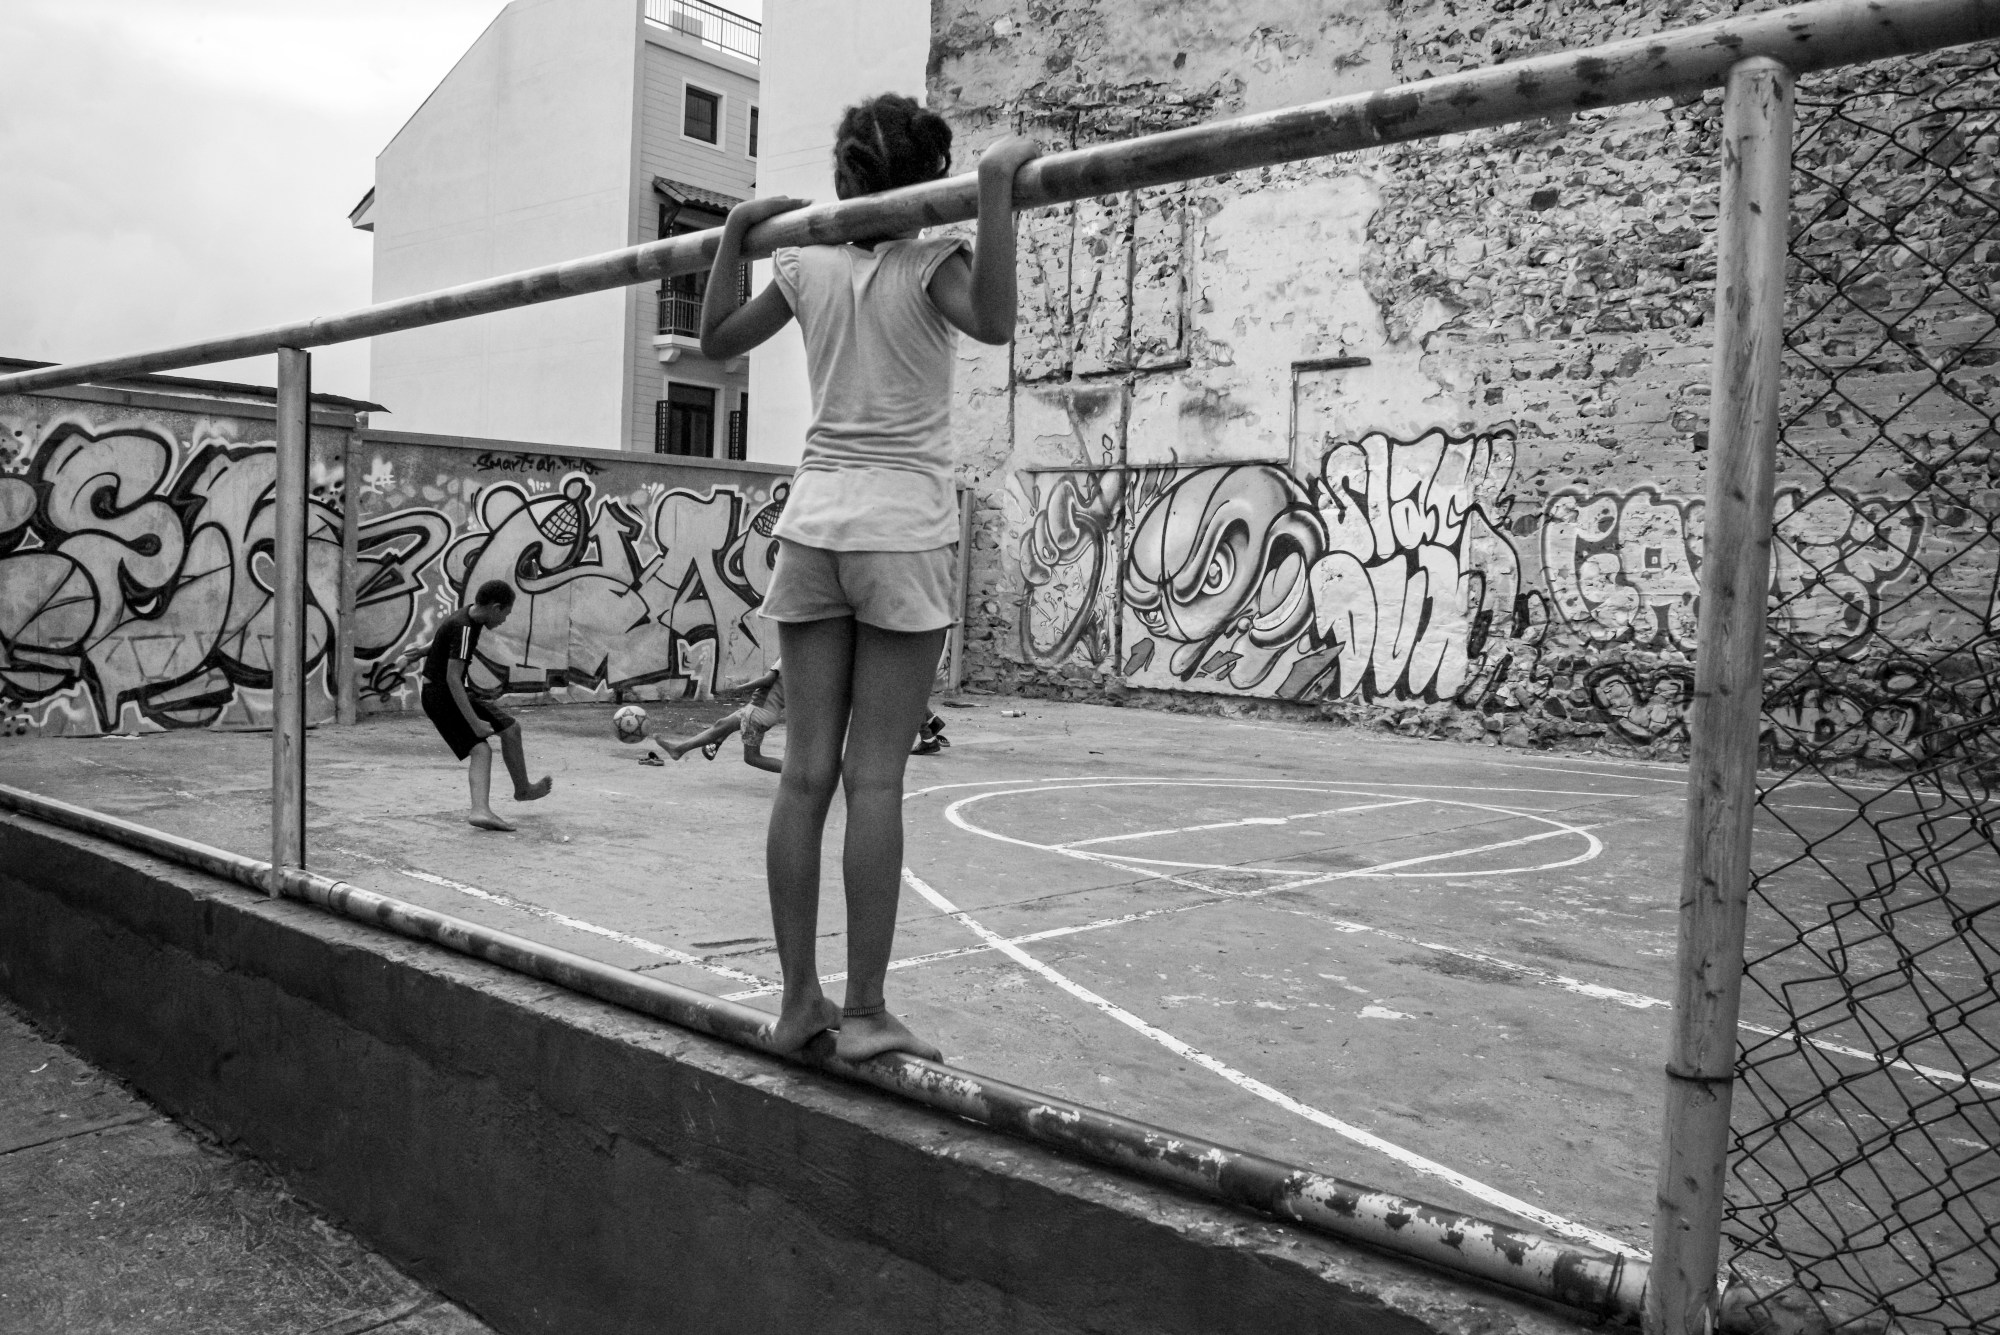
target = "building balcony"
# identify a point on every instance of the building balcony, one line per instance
(680, 330)
(680, 313)
(711, 25)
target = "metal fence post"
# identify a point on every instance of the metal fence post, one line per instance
(342, 667)
(288, 641)
(1724, 722)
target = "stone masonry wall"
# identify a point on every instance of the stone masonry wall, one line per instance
(1416, 437)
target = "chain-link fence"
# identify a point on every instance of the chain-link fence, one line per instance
(1867, 1157)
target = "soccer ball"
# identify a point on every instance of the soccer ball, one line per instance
(629, 723)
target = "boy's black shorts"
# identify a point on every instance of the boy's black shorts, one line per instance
(450, 720)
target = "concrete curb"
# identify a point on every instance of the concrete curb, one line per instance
(557, 1164)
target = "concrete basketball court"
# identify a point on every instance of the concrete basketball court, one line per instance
(1435, 968)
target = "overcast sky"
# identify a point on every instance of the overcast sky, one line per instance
(177, 169)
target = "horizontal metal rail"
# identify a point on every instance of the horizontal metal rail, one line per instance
(1808, 37)
(1581, 1277)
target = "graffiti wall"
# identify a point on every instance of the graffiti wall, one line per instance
(1413, 573)
(1417, 437)
(636, 576)
(135, 561)
(136, 567)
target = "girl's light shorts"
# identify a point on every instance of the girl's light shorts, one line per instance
(901, 591)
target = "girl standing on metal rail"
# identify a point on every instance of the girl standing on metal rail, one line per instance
(862, 592)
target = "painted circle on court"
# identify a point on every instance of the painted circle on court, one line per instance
(1118, 847)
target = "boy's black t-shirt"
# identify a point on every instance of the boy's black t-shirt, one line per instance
(456, 638)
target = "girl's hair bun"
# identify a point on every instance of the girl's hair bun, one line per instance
(887, 142)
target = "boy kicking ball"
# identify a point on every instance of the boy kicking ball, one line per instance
(466, 724)
(765, 711)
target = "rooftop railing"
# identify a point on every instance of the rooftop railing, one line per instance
(1755, 59)
(711, 25)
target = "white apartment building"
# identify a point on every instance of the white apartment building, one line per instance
(569, 127)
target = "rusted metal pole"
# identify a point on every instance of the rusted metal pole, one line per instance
(288, 605)
(341, 665)
(955, 644)
(1724, 721)
(1580, 1277)
(1807, 37)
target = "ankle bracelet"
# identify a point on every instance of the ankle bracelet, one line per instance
(864, 1012)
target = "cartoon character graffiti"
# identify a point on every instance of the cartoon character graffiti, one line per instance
(136, 579)
(1068, 557)
(1216, 570)
(1387, 579)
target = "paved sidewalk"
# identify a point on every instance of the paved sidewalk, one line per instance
(115, 1219)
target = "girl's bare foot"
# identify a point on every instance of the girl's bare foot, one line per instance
(796, 1026)
(486, 820)
(865, 1036)
(534, 791)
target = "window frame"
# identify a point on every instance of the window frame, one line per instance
(667, 398)
(750, 134)
(720, 143)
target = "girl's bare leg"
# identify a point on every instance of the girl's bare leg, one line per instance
(819, 663)
(898, 668)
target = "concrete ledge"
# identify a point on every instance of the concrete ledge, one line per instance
(559, 1165)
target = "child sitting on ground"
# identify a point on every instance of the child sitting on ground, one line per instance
(466, 723)
(765, 711)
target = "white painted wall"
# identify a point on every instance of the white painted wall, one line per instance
(817, 59)
(526, 154)
(672, 60)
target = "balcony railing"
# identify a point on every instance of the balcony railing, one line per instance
(711, 25)
(679, 313)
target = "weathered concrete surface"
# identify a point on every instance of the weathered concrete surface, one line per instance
(1417, 435)
(1484, 1061)
(117, 1220)
(557, 1165)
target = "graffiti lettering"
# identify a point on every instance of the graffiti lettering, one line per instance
(489, 461)
(136, 576)
(1626, 568)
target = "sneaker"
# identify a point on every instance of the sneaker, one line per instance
(652, 758)
(928, 746)
(709, 752)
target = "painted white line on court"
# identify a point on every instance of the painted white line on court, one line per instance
(1216, 895)
(1360, 1136)
(1382, 868)
(653, 948)
(1593, 846)
(1928, 1072)
(1233, 824)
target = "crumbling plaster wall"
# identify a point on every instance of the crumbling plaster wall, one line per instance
(1451, 395)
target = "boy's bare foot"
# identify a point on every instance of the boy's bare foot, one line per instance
(486, 820)
(673, 749)
(865, 1036)
(794, 1028)
(535, 791)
